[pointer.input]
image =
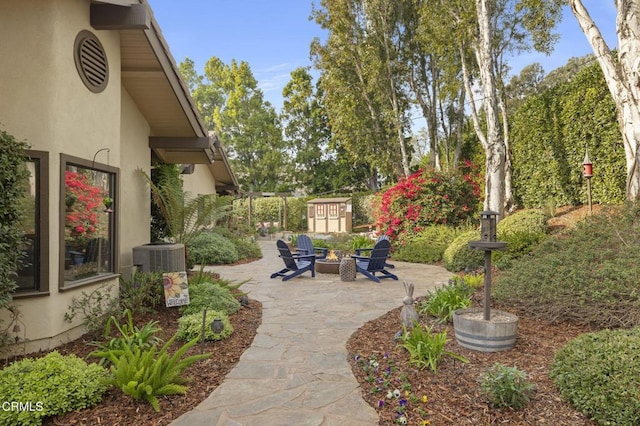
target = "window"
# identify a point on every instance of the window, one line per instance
(88, 229)
(333, 210)
(33, 276)
(320, 211)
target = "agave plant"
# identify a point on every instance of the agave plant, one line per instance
(185, 215)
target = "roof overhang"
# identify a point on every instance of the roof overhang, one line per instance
(152, 79)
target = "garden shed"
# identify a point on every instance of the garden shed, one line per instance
(328, 215)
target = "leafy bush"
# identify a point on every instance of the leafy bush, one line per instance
(506, 386)
(599, 374)
(361, 241)
(210, 248)
(95, 307)
(588, 275)
(426, 348)
(149, 373)
(143, 292)
(428, 197)
(53, 384)
(442, 302)
(210, 296)
(458, 256)
(519, 244)
(190, 326)
(531, 220)
(247, 249)
(428, 245)
(130, 336)
(13, 181)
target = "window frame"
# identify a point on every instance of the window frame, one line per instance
(41, 159)
(66, 160)
(321, 211)
(333, 211)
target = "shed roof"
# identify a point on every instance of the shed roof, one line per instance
(329, 200)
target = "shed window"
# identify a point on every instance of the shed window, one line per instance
(321, 212)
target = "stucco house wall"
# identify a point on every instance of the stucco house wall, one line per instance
(44, 101)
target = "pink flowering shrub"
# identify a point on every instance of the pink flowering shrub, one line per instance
(83, 203)
(429, 197)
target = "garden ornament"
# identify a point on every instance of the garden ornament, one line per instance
(408, 314)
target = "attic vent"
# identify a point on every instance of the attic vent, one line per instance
(91, 61)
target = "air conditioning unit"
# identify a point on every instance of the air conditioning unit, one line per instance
(164, 257)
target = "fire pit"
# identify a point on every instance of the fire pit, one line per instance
(330, 264)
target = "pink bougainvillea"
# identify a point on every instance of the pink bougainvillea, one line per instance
(429, 197)
(83, 201)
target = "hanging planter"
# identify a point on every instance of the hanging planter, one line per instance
(108, 202)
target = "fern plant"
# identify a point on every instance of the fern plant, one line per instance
(427, 348)
(130, 336)
(149, 373)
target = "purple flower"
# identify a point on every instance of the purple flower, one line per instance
(380, 403)
(403, 402)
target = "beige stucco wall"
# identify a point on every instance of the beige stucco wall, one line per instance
(200, 182)
(44, 101)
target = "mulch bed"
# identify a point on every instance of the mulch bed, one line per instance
(453, 394)
(118, 409)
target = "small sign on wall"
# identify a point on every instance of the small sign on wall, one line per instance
(176, 291)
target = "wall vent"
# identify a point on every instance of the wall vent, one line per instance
(159, 257)
(91, 61)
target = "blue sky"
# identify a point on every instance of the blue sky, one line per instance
(273, 36)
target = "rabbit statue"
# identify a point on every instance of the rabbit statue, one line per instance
(408, 314)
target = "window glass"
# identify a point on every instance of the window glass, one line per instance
(320, 210)
(333, 210)
(28, 274)
(88, 222)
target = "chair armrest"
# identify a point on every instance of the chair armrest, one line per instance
(304, 256)
(356, 257)
(323, 250)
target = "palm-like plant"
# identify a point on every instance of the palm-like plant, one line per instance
(185, 215)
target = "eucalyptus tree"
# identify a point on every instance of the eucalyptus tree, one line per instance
(483, 32)
(365, 104)
(622, 75)
(307, 134)
(233, 106)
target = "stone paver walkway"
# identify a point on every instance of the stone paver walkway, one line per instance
(296, 371)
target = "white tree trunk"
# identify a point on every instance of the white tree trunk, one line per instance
(495, 150)
(622, 77)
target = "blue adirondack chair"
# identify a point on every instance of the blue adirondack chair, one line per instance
(294, 264)
(359, 251)
(369, 266)
(305, 246)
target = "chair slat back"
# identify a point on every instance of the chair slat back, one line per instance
(286, 255)
(305, 244)
(379, 255)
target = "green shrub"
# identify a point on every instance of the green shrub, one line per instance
(426, 348)
(210, 248)
(531, 221)
(519, 244)
(210, 296)
(443, 301)
(53, 384)
(599, 374)
(428, 245)
(190, 326)
(587, 275)
(129, 336)
(149, 373)
(95, 308)
(458, 256)
(247, 249)
(506, 386)
(143, 292)
(361, 241)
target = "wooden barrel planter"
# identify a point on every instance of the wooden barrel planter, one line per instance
(474, 332)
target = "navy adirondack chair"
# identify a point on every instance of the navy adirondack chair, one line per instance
(295, 264)
(305, 246)
(359, 251)
(369, 266)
